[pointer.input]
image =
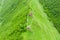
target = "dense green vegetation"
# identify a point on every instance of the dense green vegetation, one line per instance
(27, 20)
(52, 8)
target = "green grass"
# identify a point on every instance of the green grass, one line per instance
(52, 9)
(25, 20)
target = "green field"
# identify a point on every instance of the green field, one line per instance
(29, 20)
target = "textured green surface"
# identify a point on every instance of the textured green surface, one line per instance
(12, 19)
(25, 20)
(52, 8)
